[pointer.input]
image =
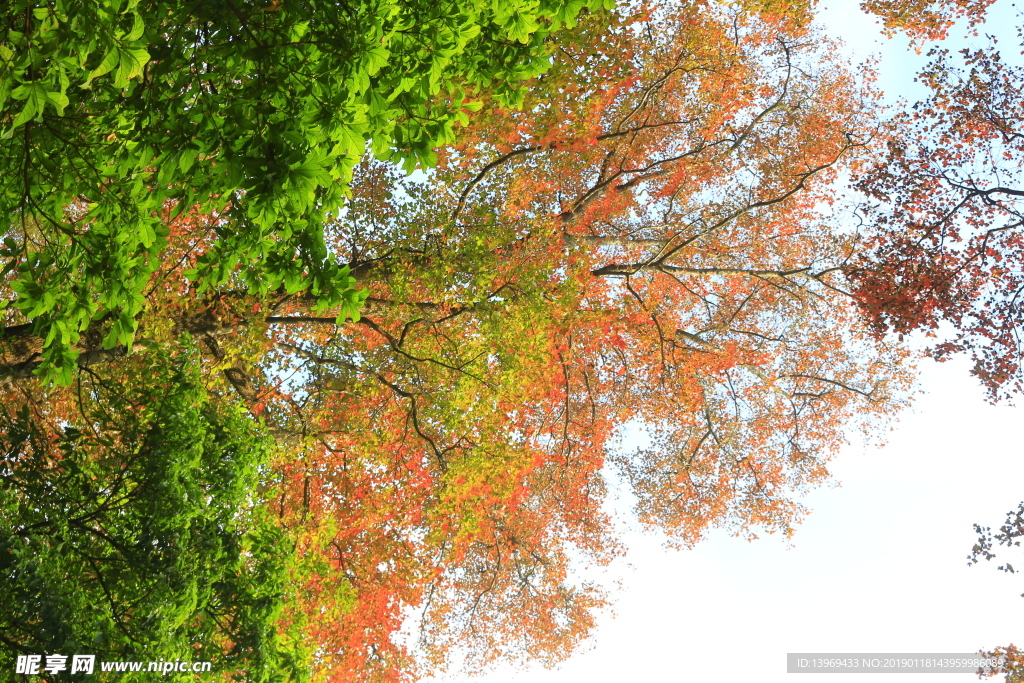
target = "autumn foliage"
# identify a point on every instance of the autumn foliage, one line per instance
(948, 217)
(945, 239)
(926, 20)
(645, 245)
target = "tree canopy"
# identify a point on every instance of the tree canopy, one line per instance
(117, 114)
(356, 400)
(135, 532)
(947, 207)
(945, 243)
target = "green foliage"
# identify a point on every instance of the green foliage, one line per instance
(116, 113)
(136, 535)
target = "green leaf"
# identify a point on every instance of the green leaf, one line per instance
(187, 159)
(138, 28)
(147, 236)
(25, 115)
(58, 100)
(298, 30)
(108, 62)
(130, 65)
(376, 59)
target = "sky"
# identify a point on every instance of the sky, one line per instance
(879, 565)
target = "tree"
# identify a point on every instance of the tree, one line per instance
(948, 216)
(114, 113)
(1008, 535)
(136, 533)
(925, 19)
(947, 240)
(640, 242)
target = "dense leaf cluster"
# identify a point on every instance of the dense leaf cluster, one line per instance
(630, 231)
(133, 535)
(114, 112)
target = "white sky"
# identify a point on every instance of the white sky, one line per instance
(880, 563)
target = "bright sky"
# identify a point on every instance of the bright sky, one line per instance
(878, 566)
